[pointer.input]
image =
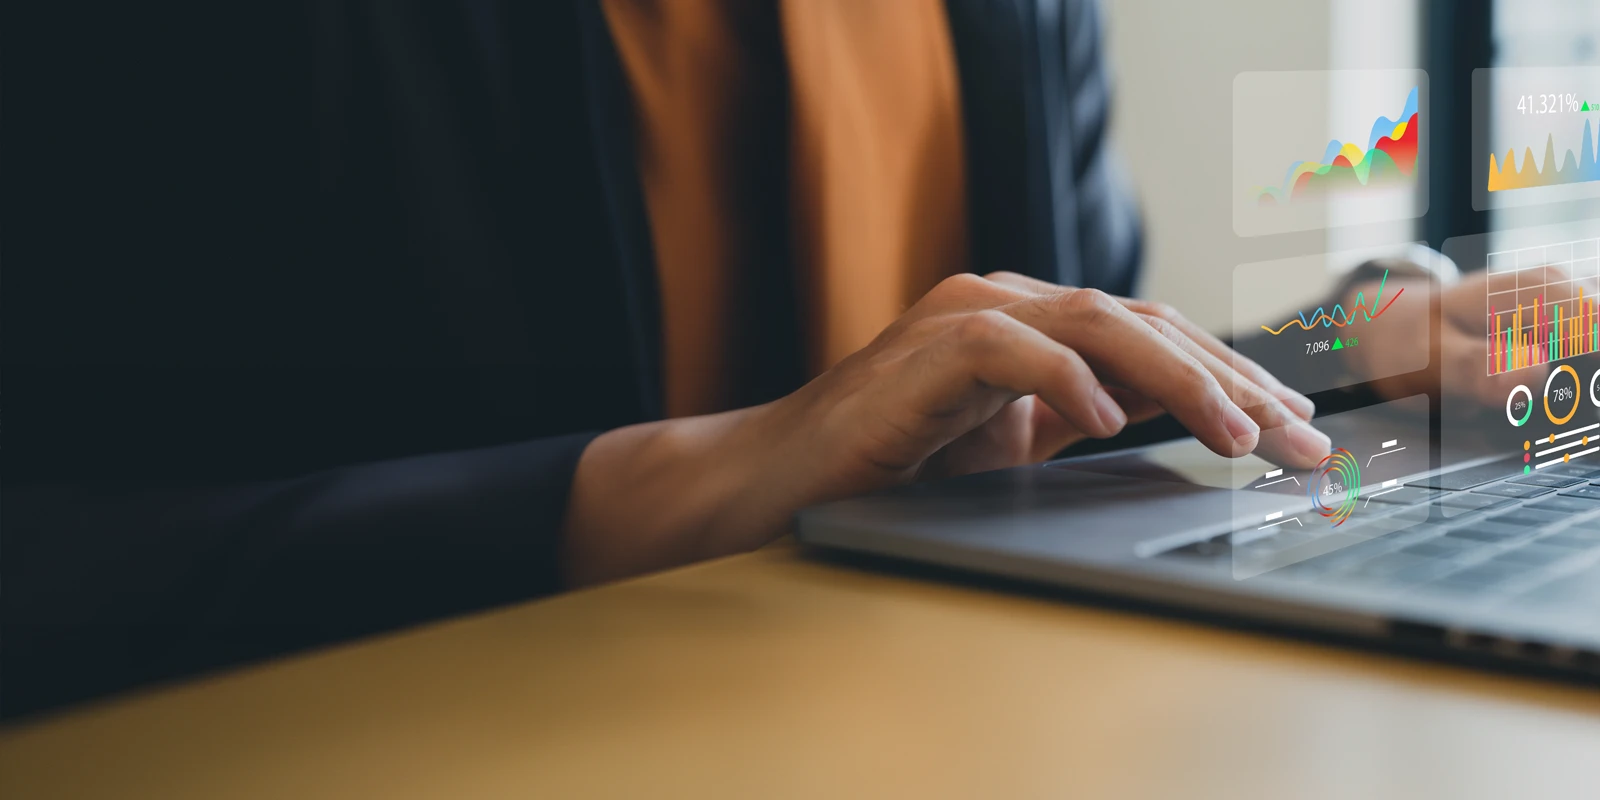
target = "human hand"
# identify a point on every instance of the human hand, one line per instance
(991, 372)
(1462, 368)
(981, 373)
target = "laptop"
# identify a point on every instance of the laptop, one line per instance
(1477, 551)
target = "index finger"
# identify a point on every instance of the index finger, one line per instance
(1298, 403)
(1119, 345)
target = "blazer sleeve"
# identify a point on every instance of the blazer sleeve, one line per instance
(1105, 214)
(112, 585)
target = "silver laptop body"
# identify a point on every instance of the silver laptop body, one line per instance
(1470, 555)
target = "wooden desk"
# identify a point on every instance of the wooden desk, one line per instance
(770, 675)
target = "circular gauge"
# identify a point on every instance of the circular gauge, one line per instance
(1526, 406)
(1334, 486)
(1563, 394)
(1594, 384)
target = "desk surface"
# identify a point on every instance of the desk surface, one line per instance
(773, 675)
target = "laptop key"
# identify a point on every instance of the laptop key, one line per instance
(1460, 505)
(1533, 555)
(1481, 577)
(1575, 540)
(1441, 547)
(1463, 479)
(1585, 492)
(1530, 517)
(1547, 481)
(1587, 534)
(1404, 496)
(1397, 567)
(1487, 531)
(1512, 490)
(1569, 504)
(1569, 590)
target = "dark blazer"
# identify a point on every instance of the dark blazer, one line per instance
(310, 309)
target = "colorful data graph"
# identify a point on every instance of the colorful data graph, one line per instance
(1579, 168)
(1542, 333)
(1389, 157)
(1542, 305)
(1340, 318)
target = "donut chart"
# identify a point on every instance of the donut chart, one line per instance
(1526, 405)
(1563, 394)
(1334, 486)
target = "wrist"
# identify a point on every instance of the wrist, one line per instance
(661, 494)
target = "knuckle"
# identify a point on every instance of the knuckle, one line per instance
(982, 327)
(1073, 368)
(1195, 373)
(961, 285)
(1091, 303)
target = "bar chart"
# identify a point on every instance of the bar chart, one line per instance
(1541, 304)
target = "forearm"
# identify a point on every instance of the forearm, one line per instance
(647, 497)
(935, 393)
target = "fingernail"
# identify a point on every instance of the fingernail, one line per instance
(1300, 405)
(1243, 429)
(1111, 415)
(1312, 444)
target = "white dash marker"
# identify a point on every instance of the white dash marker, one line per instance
(1275, 473)
(1274, 515)
(1388, 483)
(1390, 443)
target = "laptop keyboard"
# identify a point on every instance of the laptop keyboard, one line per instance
(1488, 534)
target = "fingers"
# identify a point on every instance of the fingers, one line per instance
(1023, 283)
(1222, 397)
(1464, 304)
(1286, 438)
(1464, 367)
(1052, 433)
(1133, 354)
(1298, 403)
(962, 292)
(1002, 353)
(1137, 407)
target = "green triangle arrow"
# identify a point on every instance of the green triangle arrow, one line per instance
(1585, 106)
(1338, 345)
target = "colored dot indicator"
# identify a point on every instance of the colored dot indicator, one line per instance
(1526, 458)
(1526, 470)
(1552, 439)
(1526, 445)
(1566, 458)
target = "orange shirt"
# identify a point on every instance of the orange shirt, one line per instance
(877, 183)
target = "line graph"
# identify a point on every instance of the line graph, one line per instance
(1275, 326)
(1338, 317)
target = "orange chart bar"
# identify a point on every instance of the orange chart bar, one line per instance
(1544, 333)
